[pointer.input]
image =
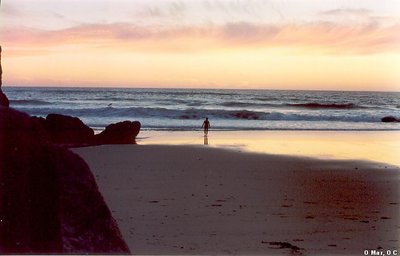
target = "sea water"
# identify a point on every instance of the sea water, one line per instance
(185, 109)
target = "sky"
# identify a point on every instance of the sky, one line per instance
(255, 44)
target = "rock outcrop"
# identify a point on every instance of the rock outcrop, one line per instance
(68, 130)
(120, 133)
(71, 131)
(3, 98)
(390, 119)
(49, 201)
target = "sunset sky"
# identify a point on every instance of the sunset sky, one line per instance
(271, 44)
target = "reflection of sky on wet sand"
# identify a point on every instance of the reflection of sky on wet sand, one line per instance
(380, 146)
(205, 139)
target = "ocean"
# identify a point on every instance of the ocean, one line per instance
(235, 110)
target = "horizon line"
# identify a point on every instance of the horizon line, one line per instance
(191, 88)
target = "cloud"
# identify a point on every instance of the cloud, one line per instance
(9, 10)
(58, 15)
(171, 9)
(346, 11)
(356, 16)
(250, 7)
(217, 11)
(177, 8)
(248, 32)
(325, 37)
(340, 39)
(150, 12)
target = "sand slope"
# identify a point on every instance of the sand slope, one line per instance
(199, 200)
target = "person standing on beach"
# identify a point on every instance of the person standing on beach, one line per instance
(206, 125)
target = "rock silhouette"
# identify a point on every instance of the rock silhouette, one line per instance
(49, 201)
(119, 133)
(71, 131)
(3, 98)
(390, 119)
(68, 130)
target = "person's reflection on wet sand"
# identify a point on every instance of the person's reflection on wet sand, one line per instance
(205, 139)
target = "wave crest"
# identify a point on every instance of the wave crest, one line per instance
(29, 102)
(314, 105)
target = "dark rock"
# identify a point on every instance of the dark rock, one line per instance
(40, 120)
(68, 130)
(120, 133)
(49, 201)
(71, 131)
(85, 220)
(390, 119)
(3, 99)
(285, 245)
(28, 223)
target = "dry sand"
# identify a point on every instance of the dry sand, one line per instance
(200, 200)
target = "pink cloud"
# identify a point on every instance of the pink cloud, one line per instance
(324, 36)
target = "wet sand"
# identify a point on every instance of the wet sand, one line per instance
(201, 200)
(377, 146)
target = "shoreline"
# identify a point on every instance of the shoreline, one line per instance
(179, 199)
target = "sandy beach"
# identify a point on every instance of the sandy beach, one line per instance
(180, 199)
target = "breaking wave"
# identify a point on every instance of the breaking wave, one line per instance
(29, 102)
(233, 109)
(324, 106)
(198, 114)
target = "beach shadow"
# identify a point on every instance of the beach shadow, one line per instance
(205, 139)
